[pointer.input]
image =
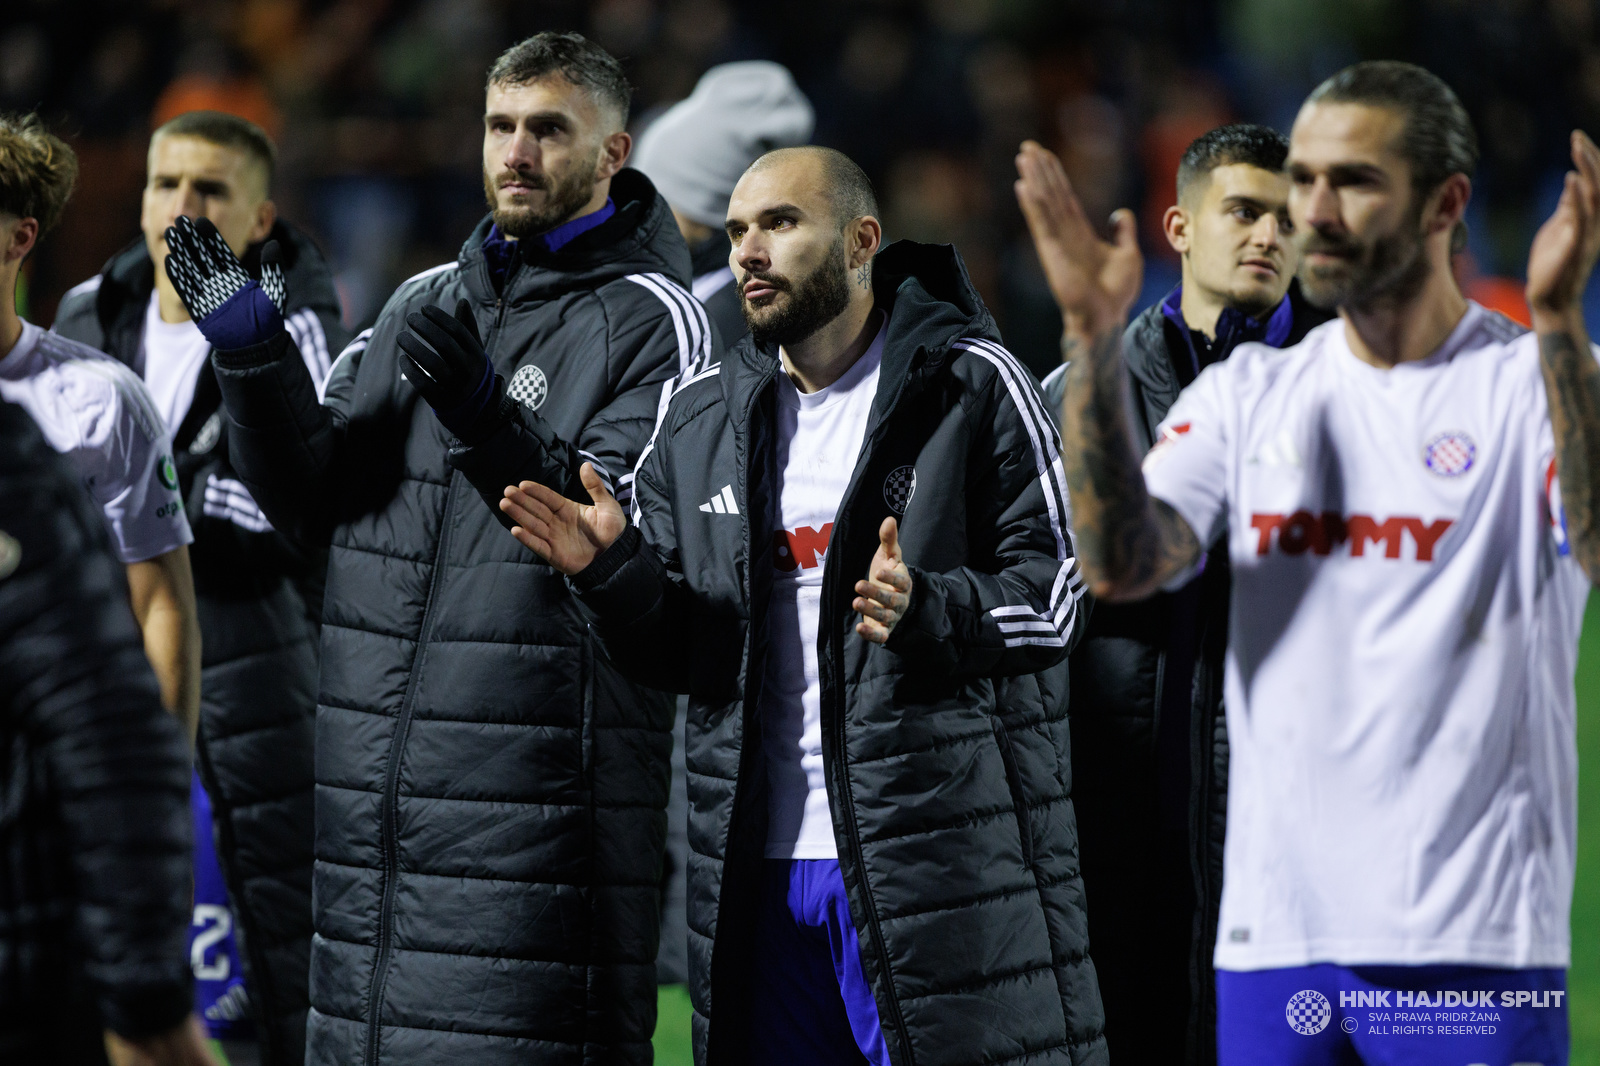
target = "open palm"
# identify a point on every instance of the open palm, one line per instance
(564, 533)
(1093, 281)
(1564, 249)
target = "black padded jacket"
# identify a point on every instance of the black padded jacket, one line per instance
(490, 791)
(258, 683)
(1150, 755)
(946, 750)
(94, 808)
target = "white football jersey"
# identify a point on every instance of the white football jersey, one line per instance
(819, 438)
(1401, 653)
(97, 413)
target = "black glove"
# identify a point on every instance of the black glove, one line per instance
(444, 360)
(231, 308)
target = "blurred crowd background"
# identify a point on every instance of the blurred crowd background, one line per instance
(376, 107)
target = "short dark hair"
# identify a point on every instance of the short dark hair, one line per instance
(1242, 142)
(1438, 139)
(228, 131)
(574, 57)
(37, 171)
(847, 184)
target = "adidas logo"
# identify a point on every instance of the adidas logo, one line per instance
(722, 502)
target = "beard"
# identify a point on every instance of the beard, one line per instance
(562, 199)
(1390, 268)
(813, 301)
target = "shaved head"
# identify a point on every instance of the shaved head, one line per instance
(845, 184)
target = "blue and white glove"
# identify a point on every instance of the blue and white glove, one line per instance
(232, 309)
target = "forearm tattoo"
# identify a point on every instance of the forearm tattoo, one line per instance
(1572, 384)
(1128, 543)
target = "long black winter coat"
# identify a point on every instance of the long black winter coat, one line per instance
(946, 750)
(94, 808)
(490, 792)
(258, 683)
(1150, 756)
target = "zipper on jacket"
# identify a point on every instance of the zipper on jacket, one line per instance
(389, 841)
(388, 838)
(834, 769)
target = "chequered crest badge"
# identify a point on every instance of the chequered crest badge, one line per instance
(1450, 454)
(209, 434)
(1309, 1012)
(529, 387)
(899, 487)
(10, 554)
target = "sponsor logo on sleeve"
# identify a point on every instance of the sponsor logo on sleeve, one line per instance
(1170, 435)
(1555, 513)
(167, 472)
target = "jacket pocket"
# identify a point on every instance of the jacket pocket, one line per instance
(1008, 756)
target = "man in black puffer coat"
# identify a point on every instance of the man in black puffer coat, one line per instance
(94, 829)
(924, 747)
(258, 687)
(1149, 740)
(490, 791)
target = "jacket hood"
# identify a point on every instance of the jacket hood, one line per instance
(931, 303)
(711, 254)
(129, 277)
(641, 238)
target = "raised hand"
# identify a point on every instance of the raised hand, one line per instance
(564, 533)
(444, 360)
(232, 309)
(1564, 249)
(882, 599)
(1094, 282)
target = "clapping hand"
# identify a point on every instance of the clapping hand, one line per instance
(564, 533)
(232, 309)
(443, 359)
(1094, 282)
(882, 599)
(1564, 249)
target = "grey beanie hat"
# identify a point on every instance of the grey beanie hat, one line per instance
(697, 150)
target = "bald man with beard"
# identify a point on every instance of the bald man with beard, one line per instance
(849, 546)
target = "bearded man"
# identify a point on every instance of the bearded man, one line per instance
(850, 548)
(491, 792)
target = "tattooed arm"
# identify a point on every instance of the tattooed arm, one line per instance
(1128, 543)
(1559, 265)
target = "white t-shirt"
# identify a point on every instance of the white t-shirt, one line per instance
(174, 352)
(1401, 651)
(819, 439)
(97, 413)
